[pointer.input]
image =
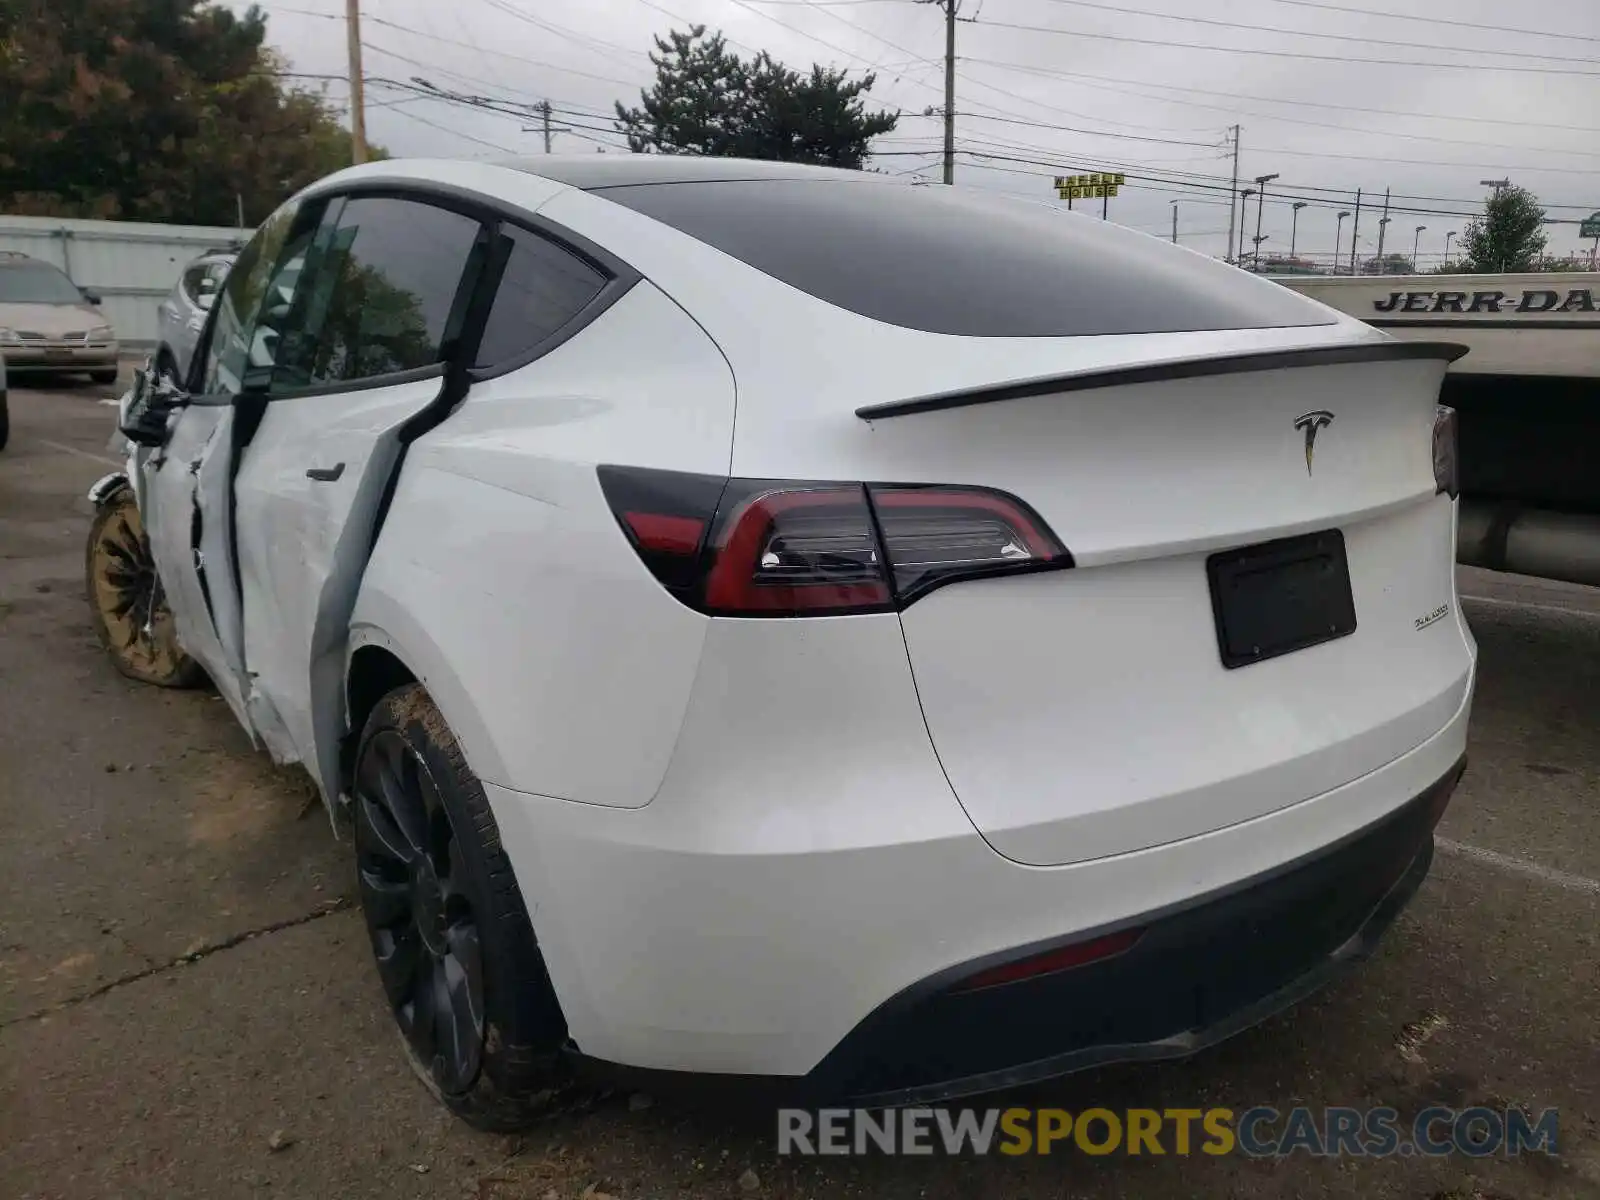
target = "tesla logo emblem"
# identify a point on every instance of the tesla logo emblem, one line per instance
(1311, 422)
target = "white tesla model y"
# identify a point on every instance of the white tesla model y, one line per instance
(776, 621)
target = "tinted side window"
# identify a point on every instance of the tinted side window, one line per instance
(544, 287)
(382, 294)
(228, 350)
(960, 261)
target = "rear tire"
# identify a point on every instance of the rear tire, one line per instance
(103, 376)
(5, 421)
(130, 612)
(456, 952)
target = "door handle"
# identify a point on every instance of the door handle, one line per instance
(325, 474)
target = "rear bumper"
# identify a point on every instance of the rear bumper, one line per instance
(769, 900)
(1197, 974)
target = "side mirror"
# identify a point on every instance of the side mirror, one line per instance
(145, 411)
(89, 294)
(206, 299)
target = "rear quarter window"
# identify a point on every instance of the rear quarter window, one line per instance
(966, 262)
(543, 288)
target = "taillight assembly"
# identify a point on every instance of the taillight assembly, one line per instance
(1446, 469)
(781, 548)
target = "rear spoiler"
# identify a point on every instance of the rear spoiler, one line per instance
(1182, 368)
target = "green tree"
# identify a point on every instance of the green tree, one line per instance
(1509, 236)
(152, 110)
(707, 100)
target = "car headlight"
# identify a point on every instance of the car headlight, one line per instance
(100, 333)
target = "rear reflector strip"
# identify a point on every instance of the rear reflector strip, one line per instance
(1063, 959)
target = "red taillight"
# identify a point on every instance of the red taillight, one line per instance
(797, 551)
(666, 534)
(1446, 470)
(737, 547)
(1076, 955)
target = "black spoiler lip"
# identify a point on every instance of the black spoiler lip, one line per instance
(1183, 368)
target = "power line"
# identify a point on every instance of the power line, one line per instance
(457, 133)
(596, 45)
(858, 29)
(1421, 137)
(1296, 54)
(1395, 16)
(1387, 112)
(1335, 37)
(532, 62)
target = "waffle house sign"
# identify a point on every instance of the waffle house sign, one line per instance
(1098, 186)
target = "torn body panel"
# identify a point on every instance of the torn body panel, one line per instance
(185, 506)
(310, 489)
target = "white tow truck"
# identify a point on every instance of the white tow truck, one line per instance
(1527, 395)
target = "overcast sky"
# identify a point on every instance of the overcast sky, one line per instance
(1329, 98)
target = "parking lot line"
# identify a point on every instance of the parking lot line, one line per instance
(1520, 866)
(65, 449)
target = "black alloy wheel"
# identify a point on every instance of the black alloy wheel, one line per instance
(461, 968)
(419, 912)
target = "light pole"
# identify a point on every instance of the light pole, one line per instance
(1450, 234)
(1244, 200)
(1338, 239)
(1496, 184)
(1383, 230)
(1415, 242)
(1174, 222)
(1294, 225)
(1261, 201)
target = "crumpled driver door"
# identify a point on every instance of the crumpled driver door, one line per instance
(186, 506)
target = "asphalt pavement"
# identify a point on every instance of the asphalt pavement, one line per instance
(188, 1008)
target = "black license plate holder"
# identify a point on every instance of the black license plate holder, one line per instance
(1278, 597)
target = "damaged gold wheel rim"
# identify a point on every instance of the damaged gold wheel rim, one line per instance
(127, 593)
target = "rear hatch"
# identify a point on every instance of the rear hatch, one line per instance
(1111, 707)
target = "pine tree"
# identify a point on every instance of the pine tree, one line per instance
(707, 100)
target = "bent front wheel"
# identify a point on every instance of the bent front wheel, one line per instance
(126, 601)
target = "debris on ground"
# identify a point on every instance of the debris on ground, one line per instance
(279, 1141)
(749, 1181)
(1416, 1034)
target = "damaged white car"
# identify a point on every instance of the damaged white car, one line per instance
(773, 621)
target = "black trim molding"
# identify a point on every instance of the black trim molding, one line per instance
(1186, 368)
(1482, 323)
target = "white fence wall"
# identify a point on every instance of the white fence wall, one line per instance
(132, 265)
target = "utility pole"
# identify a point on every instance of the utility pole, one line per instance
(1338, 239)
(1355, 231)
(1175, 222)
(1448, 235)
(949, 91)
(358, 111)
(544, 126)
(1244, 200)
(1261, 201)
(1233, 190)
(1383, 228)
(1294, 225)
